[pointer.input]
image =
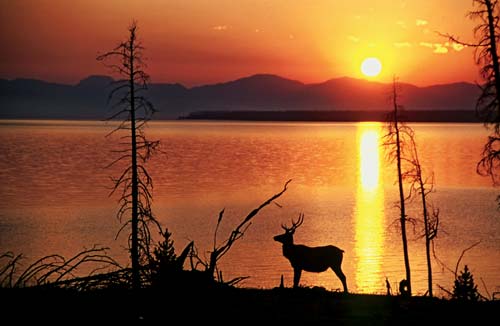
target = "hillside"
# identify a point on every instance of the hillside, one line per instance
(27, 98)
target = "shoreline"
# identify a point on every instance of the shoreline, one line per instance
(425, 116)
(232, 306)
(443, 116)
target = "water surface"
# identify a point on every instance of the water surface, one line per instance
(55, 196)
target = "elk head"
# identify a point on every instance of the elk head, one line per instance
(287, 237)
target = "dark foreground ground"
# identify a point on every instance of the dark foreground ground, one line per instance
(235, 306)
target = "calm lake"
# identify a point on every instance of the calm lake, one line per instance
(55, 196)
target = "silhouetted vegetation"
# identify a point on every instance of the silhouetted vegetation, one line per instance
(54, 270)
(422, 187)
(397, 140)
(487, 34)
(219, 250)
(135, 184)
(163, 262)
(401, 141)
(464, 287)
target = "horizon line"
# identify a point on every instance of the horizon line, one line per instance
(244, 77)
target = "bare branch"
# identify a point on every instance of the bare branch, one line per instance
(237, 233)
(462, 255)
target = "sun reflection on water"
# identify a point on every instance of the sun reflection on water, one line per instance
(369, 210)
(369, 163)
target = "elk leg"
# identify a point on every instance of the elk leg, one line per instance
(296, 277)
(341, 277)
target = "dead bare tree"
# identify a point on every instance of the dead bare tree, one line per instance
(422, 187)
(487, 33)
(135, 183)
(219, 250)
(396, 141)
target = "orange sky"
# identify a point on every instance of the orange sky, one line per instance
(203, 41)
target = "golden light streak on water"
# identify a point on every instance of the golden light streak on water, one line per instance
(369, 212)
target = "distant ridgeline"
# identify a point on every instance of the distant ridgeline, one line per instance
(340, 116)
(257, 97)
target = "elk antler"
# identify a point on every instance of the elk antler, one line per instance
(295, 225)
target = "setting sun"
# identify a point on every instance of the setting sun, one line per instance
(371, 67)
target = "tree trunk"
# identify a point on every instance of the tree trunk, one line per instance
(401, 192)
(494, 57)
(427, 233)
(136, 282)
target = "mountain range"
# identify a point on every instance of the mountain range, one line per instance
(36, 99)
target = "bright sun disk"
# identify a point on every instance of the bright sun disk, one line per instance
(371, 67)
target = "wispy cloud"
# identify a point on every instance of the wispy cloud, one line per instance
(426, 44)
(219, 27)
(401, 24)
(402, 44)
(440, 48)
(421, 22)
(353, 38)
(457, 47)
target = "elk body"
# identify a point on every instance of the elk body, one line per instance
(310, 259)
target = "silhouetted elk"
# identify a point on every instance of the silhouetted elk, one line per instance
(310, 259)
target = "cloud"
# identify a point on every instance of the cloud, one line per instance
(421, 22)
(353, 38)
(401, 24)
(219, 27)
(457, 47)
(440, 48)
(402, 44)
(426, 44)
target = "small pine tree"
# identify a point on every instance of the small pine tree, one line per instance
(164, 260)
(166, 269)
(464, 287)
